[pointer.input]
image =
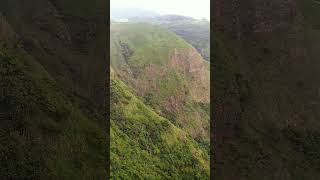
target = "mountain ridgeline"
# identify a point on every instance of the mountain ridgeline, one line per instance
(159, 105)
(194, 31)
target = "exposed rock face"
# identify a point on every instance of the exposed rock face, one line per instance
(190, 63)
(171, 104)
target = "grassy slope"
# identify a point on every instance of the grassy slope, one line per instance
(145, 145)
(145, 40)
(195, 32)
(160, 149)
(152, 47)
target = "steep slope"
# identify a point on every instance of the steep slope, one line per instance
(160, 105)
(168, 73)
(145, 145)
(50, 106)
(197, 33)
(267, 93)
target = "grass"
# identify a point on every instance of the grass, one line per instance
(158, 150)
(195, 32)
(148, 72)
(145, 40)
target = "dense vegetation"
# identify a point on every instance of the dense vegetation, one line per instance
(176, 93)
(159, 111)
(145, 145)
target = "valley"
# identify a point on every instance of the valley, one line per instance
(159, 104)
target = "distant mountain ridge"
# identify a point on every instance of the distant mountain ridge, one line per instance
(127, 13)
(194, 31)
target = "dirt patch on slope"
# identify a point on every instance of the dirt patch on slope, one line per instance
(190, 63)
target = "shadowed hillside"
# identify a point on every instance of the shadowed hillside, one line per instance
(52, 80)
(267, 90)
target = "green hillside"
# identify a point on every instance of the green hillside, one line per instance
(196, 32)
(145, 145)
(168, 73)
(160, 105)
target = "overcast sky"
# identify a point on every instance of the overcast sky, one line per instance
(194, 8)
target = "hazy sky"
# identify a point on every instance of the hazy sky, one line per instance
(194, 8)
